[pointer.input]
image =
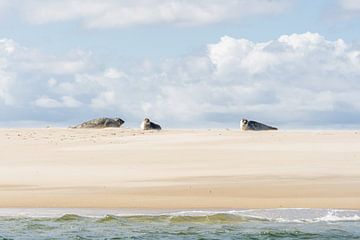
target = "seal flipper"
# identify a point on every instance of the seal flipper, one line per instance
(106, 123)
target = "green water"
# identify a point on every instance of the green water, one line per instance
(121, 224)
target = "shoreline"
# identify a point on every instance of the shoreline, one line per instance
(125, 212)
(179, 169)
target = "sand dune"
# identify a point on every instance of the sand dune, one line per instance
(128, 168)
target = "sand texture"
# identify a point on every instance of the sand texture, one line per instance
(178, 169)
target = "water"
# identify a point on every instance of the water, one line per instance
(127, 224)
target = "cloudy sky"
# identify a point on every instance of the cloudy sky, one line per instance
(183, 63)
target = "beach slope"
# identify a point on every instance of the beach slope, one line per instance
(179, 169)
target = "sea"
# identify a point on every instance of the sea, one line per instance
(185, 224)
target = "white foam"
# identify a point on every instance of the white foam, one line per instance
(333, 217)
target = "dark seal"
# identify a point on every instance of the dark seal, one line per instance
(246, 125)
(101, 123)
(148, 125)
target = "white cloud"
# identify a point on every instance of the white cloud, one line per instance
(47, 102)
(296, 79)
(104, 100)
(4, 4)
(350, 5)
(65, 102)
(70, 102)
(113, 13)
(5, 85)
(295, 55)
(52, 82)
(25, 73)
(346, 10)
(304, 73)
(55, 67)
(113, 73)
(7, 77)
(7, 46)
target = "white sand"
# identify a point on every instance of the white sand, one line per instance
(172, 169)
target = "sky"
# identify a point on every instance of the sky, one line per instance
(294, 64)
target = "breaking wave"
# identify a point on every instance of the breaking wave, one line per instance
(227, 216)
(130, 224)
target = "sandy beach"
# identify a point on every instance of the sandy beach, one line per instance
(179, 169)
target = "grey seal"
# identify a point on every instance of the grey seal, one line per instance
(148, 125)
(101, 123)
(246, 125)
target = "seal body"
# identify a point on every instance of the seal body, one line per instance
(246, 125)
(148, 125)
(101, 123)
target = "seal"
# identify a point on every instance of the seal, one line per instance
(101, 123)
(246, 125)
(148, 125)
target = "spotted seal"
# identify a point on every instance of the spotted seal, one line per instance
(148, 125)
(246, 125)
(101, 123)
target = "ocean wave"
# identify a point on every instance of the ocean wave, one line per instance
(69, 217)
(304, 215)
(193, 216)
(216, 218)
(107, 218)
(194, 224)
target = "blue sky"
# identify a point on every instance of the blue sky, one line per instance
(166, 40)
(182, 63)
